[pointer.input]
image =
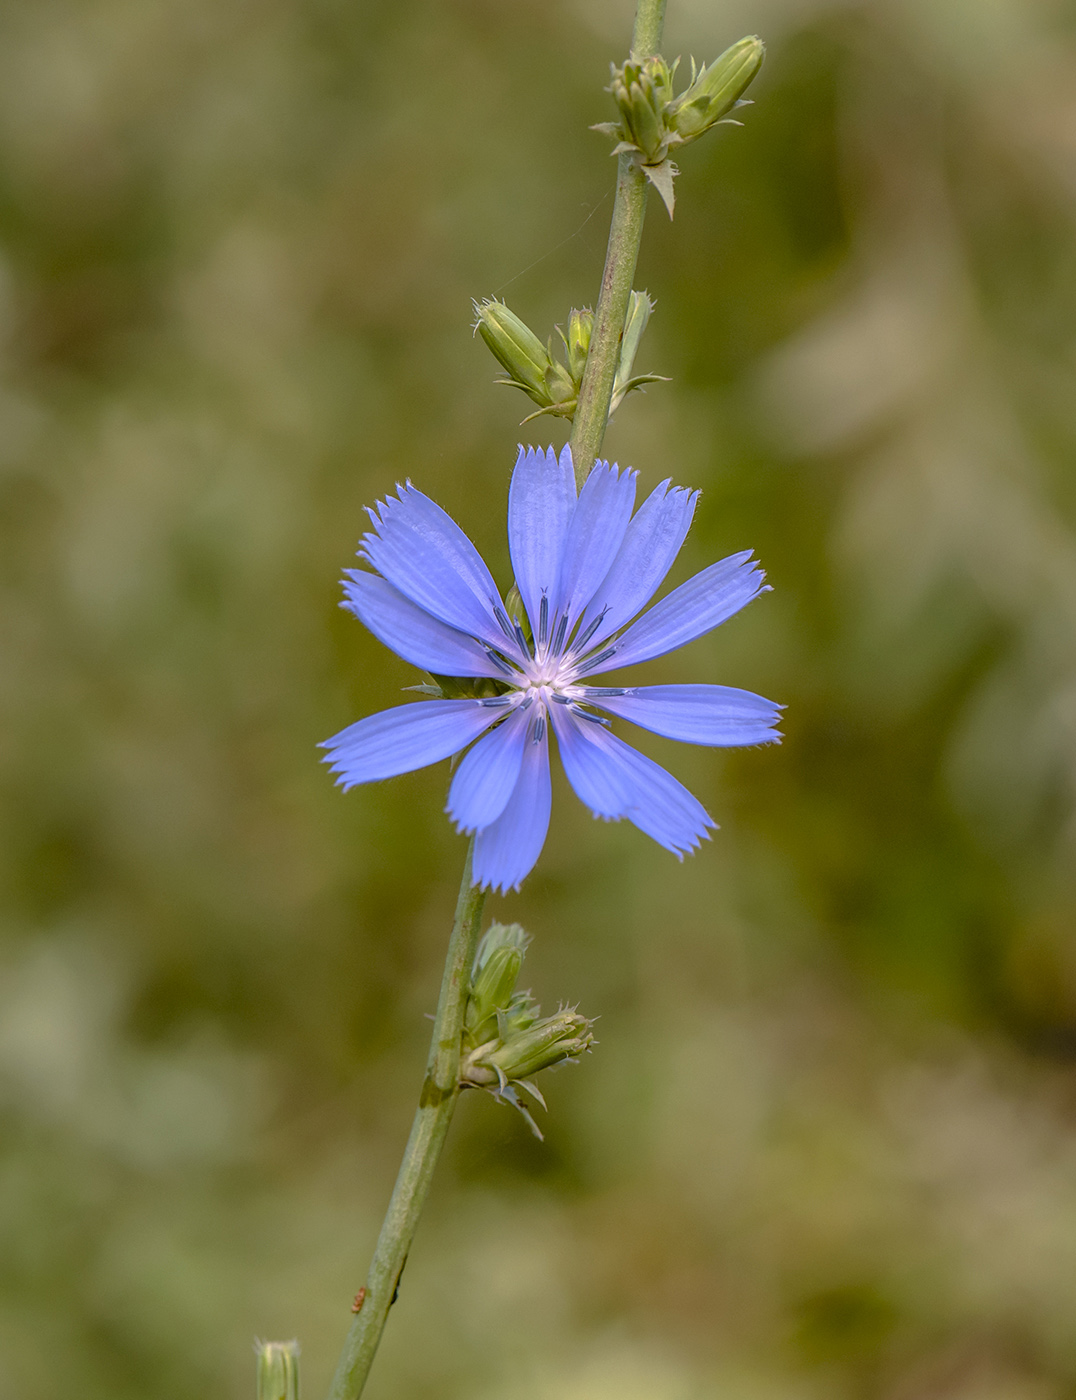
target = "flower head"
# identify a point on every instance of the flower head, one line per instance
(585, 568)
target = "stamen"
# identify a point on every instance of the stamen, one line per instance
(528, 701)
(560, 699)
(594, 719)
(492, 702)
(539, 729)
(602, 692)
(521, 638)
(499, 661)
(580, 642)
(558, 640)
(543, 619)
(601, 656)
(503, 623)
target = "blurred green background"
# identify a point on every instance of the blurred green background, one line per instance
(827, 1145)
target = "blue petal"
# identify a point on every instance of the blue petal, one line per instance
(424, 553)
(406, 737)
(651, 544)
(688, 612)
(505, 851)
(614, 780)
(411, 632)
(718, 715)
(541, 501)
(485, 779)
(663, 807)
(597, 783)
(596, 533)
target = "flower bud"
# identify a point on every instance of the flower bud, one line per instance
(530, 364)
(642, 90)
(644, 121)
(653, 123)
(577, 341)
(716, 89)
(505, 1039)
(548, 1042)
(493, 980)
(516, 346)
(278, 1370)
(639, 309)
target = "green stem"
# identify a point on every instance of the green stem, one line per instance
(440, 1090)
(625, 236)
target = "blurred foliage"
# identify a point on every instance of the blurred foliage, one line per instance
(826, 1146)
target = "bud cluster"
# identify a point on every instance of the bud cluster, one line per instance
(506, 1038)
(531, 366)
(654, 122)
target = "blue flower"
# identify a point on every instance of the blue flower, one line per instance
(584, 569)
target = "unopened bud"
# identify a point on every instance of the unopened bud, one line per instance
(493, 984)
(653, 123)
(530, 364)
(548, 1042)
(716, 89)
(278, 1370)
(516, 346)
(639, 308)
(642, 89)
(577, 341)
(644, 122)
(505, 1038)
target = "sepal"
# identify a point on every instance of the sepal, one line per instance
(461, 687)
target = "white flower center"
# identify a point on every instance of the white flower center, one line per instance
(545, 674)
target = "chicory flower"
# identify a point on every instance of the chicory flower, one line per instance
(585, 568)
